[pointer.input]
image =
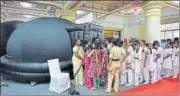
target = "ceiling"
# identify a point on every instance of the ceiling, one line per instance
(36, 9)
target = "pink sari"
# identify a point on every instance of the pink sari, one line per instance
(88, 82)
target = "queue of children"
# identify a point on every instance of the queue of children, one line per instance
(138, 61)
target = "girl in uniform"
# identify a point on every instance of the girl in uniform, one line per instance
(144, 68)
(156, 62)
(149, 64)
(137, 63)
(130, 63)
(123, 76)
(175, 57)
(167, 65)
(160, 63)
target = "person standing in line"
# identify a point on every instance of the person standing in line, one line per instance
(137, 63)
(149, 64)
(114, 66)
(156, 65)
(123, 75)
(175, 57)
(167, 65)
(95, 66)
(100, 58)
(77, 60)
(161, 49)
(144, 69)
(87, 80)
(130, 63)
(160, 63)
(104, 65)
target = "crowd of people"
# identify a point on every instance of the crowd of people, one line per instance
(103, 63)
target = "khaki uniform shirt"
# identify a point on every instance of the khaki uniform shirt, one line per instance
(115, 53)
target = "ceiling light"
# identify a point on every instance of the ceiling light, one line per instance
(79, 12)
(25, 4)
(28, 16)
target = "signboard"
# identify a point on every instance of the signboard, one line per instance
(68, 14)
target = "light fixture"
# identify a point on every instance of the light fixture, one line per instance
(28, 16)
(80, 12)
(25, 4)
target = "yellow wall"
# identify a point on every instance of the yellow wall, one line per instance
(108, 31)
(142, 31)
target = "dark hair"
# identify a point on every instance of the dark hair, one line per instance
(169, 43)
(143, 41)
(120, 43)
(176, 39)
(97, 44)
(87, 48)
(93, 40)
(169, 40)
(155, 42)
(115, 42)
(105, 45)
(77, 40)
(136, 42)
(109, 40)
(147, 44)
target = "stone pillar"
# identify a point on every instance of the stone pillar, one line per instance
(152, 10)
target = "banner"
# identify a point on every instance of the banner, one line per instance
(68, 14)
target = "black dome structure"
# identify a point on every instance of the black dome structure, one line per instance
(32, 44)
(6, 30)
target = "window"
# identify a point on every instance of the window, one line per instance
(176, 33)
(169, 31)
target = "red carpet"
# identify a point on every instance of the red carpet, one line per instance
(165, 86)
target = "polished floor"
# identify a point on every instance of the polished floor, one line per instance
(16, 88)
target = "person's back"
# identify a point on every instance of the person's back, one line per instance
(116, 52)
(113, 67)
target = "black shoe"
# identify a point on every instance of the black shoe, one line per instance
(73, 92)
(77, 93)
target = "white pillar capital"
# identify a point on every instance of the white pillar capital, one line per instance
(153, 8)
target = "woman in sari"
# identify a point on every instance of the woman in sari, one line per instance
(88, 82)
(77, 60)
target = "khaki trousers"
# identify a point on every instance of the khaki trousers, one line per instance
(116, 81)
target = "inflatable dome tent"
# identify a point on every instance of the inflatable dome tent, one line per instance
(6, 30)
(32, 44)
